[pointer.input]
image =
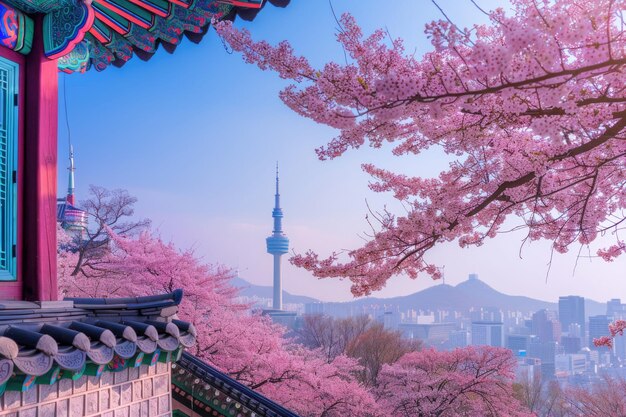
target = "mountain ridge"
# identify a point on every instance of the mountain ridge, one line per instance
(472, 293)
(247, 289)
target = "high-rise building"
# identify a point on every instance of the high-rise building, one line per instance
(546, 351)
(458, 339)
(572, 310)
(598, 327)
(432, 334)
(277, 246)
(571, 344)
(546, 326)
(570, 364)
(488, 333)
(518, 343)
(615, 309)
(390, 320)
(493, 314)
(619, 346)
(574, 330)
(527, 368)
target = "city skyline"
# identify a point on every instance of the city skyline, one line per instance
(222, 182)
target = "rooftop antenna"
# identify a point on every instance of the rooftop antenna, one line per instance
(70, 183)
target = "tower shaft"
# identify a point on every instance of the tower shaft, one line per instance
(278, 285)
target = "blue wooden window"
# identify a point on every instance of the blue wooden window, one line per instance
(8, 169)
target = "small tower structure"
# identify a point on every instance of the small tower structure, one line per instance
(70, 183)
(277, 246)
(72, 219)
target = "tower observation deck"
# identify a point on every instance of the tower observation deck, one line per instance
(277, 245)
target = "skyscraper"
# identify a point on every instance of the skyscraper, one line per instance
(572, 310)
(488, 333)
(545, 326)
(277, 245)
(615, 309)
(598, 327)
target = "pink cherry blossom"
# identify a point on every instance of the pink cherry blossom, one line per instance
(615, 329)
(532, 107)
(473, 381)
(245, 345)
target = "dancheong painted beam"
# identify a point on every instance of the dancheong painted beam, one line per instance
(85, 34)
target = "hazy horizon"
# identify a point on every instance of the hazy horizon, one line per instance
(434, 284)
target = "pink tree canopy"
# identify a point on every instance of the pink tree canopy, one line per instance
(472, 381)
(531, 107)
(250, 348)
(245, 345)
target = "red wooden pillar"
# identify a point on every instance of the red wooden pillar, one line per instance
(39, 269)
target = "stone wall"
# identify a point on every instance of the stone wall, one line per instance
(134, 392)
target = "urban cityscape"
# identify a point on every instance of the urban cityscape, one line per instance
(555, 341)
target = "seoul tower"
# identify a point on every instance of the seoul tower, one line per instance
(277, 245)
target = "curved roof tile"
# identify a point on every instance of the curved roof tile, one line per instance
(70, 335)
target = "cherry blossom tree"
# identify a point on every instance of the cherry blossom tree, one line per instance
(603, 399)
(531, 107)
(472, 381)
(542, 397)
(331, 335)
(360, 338)
(376, 347)
(244, 345)
(107, 209)
(249, 347)
(615, 329)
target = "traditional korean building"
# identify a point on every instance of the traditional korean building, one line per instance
(89, 357)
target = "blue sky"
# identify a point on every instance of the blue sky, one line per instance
(195, 136)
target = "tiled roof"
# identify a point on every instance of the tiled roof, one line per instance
(41, 342)
(123, 29)
(207, 391)
(85, 34)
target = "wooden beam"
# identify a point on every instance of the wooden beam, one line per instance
(38, 261)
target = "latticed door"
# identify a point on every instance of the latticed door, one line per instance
(8, 168)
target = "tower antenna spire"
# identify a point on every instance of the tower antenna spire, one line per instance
(277, 195)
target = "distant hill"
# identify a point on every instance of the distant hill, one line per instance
(473, 293)
(265, 291)
(467, 294)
